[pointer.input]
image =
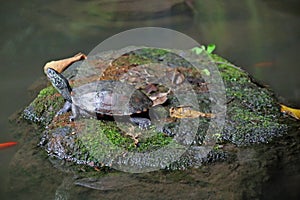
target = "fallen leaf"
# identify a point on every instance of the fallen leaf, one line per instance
(7, 144)
(175, 76)
(187, 112)
(134, 134)
(150, 88)
(291, 111)
(159, 98)
(61, 65)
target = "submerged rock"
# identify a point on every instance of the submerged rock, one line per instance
(252, 116)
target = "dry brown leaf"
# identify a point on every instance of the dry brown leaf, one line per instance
(291, 111)
(159, 98)
(150, 88)
(175, 76)
(61, 65)
(187, 112)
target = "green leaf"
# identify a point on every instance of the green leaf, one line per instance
(206, 72)
(198, 50)
(210, 48)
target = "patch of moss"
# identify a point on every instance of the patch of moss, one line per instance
(153, 143)
(151, 53)
(102, 139)
(162, 56)
(45, 106)
(230, 73)
(244, 127)
(259, 100)
(48, 97)
(252, 111)
(113, 133)
(48, 100)
(137, 60)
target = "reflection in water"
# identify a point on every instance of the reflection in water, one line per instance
(246, 32)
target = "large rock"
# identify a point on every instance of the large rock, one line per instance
(253, 116)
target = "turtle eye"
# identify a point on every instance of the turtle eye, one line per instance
(51, 72)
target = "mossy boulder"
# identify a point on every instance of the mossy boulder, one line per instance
(253, 116)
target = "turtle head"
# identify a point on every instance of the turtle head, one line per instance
(60, 83)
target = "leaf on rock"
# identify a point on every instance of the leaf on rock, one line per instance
(61, 65)
(291, 111)
(187, 112)
(159, 98)
(150, 88)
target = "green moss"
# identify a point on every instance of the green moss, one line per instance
(258, 100)
(162, 56)
(48, 91)
(246, 115)
(229, 72)
(252, 111)
(131, 60)
(245, 126)
(138, 60)
(105, 138)
(48, 100)
(153, 143)
(44, 107)
(152, 53)
(114, 135)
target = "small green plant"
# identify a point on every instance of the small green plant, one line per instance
(209, 49)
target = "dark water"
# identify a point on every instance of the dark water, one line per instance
(260, 36)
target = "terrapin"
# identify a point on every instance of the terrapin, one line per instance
(106, 97)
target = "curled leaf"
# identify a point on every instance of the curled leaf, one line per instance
(291, 111)
(175, 76)
(150, 88)
(61, 65)
(187, 112)
(159, 98)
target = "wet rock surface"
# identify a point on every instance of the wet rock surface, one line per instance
(253, 114)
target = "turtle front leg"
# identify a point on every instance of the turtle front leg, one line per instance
(75, 113)
(67, 107)
(143, 123)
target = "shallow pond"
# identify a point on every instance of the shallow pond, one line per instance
(260, 36)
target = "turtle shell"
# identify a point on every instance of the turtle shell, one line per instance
(110, 98)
